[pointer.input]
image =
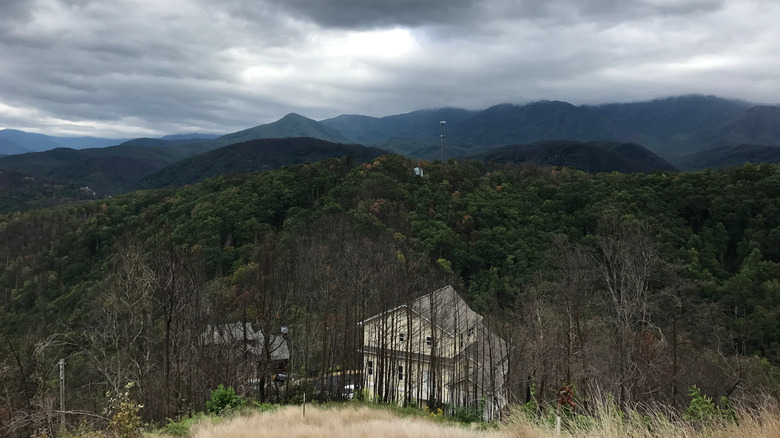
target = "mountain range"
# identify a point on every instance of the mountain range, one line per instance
(14, 141)
(686, 132)
(673, 127)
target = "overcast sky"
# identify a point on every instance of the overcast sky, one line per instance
(128, 68)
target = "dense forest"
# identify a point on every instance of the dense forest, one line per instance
(639, 285)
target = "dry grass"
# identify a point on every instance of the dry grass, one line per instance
(611, 424)
(343, 423)
(349, 422)
(747, 428)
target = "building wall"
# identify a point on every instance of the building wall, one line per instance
(409, 359)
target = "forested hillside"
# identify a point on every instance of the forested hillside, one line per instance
(254, 156)
(150, 163)
(585, 156)
(639, 285)
(108, 170)
(729, 156)
(18, 191)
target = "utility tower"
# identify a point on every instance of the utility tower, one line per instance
(443, 136)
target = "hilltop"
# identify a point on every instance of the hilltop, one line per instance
(255, 156)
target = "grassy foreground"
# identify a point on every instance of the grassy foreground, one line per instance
(361, 421)
(347, 422)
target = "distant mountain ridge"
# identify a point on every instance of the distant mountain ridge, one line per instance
(416, 125)
(14, 141)
(664, 124)
(7, 147)
(591, 157)
(31, 142)
(673, 128)
(290, 126)
(544, 120)
(192, 136)
(758, 125)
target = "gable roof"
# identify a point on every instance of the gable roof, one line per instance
(446, 309)
(442, 307)
(230, 333)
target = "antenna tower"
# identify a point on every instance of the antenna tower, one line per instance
(443, 136)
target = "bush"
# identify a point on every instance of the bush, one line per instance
(125, 420)
(470, 414)
(703, 411)
(224, 400)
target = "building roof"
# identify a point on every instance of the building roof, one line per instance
(233, 333)
(443, 307)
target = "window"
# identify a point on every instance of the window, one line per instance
(401, 337)
(428, 341)
(471, 331)
(461, 341)
(400, 372)
(370, 367)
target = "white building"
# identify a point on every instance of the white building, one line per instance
(434, 351)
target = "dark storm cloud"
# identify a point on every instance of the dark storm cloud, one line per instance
(136, 67)
(475, 14)
(361, 14)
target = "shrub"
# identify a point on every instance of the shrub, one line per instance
(224, 400)
(702, 410)
(470, 414)
(125, 420)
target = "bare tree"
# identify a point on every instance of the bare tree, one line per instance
(177, 282)
(120, 342)
(628, 259)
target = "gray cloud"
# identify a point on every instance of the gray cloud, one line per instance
(363, 14)
(471, 15)
(127, 68)
(11, 10)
